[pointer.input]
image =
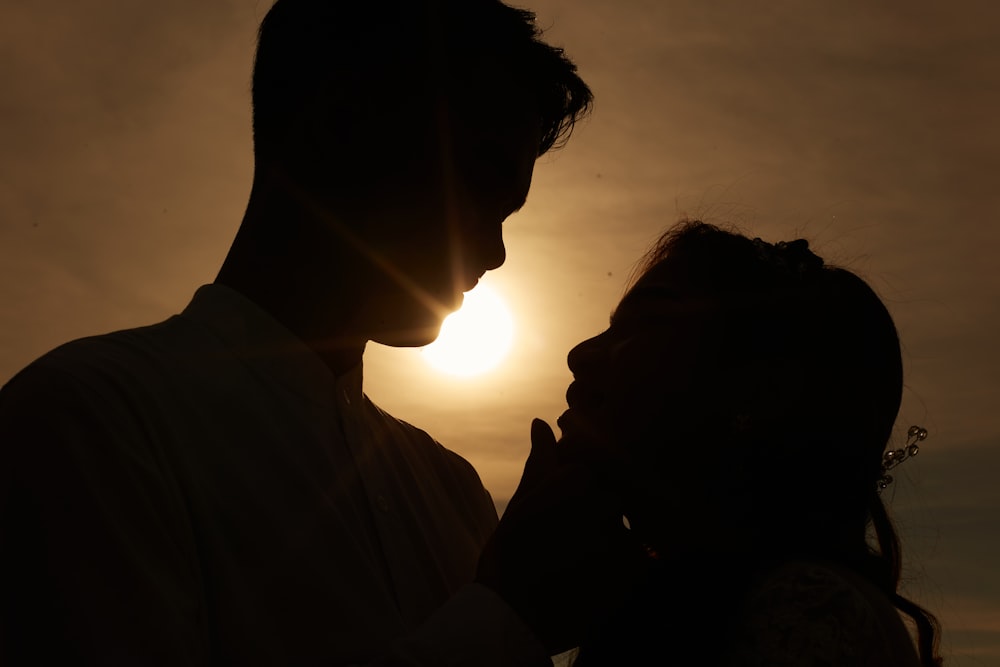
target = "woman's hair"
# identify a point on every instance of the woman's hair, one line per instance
(802, 387)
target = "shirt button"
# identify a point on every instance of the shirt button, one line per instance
(382, 503)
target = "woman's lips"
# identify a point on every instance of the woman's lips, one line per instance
(575, 422)
(563, 420)
(582, 440)
(580, 396)
(583, 403)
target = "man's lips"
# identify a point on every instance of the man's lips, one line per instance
(472, 281)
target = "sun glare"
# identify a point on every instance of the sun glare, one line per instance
(474, 339)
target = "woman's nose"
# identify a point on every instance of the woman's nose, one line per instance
(586, 356)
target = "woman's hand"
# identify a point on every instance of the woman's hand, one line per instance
(561, 556)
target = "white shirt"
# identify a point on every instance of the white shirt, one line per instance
(206, 491)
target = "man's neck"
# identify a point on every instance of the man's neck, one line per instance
(298, 282)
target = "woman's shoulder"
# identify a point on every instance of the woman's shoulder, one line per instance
(811, 613)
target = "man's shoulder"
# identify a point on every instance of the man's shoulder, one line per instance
(418, 445)
(403, 431)
(124, 364)
(83, 396)
(132, 341)
(432, 471)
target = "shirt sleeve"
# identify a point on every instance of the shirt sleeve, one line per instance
(97, 563)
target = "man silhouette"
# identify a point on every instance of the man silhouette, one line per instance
(216, 488)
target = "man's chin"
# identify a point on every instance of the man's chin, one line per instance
(413, 337)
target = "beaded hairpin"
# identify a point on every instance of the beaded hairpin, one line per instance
(894, 457)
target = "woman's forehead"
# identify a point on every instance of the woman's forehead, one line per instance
(662, 290)
(658, 303)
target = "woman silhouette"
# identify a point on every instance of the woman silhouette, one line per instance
(741, 401)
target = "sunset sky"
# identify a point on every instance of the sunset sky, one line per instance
(871, 128)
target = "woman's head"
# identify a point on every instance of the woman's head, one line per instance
(750, 387)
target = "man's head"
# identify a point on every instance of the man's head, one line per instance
(410, 127)
(358, 67)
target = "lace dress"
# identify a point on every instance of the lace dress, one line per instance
(818, 615)
(800, 614)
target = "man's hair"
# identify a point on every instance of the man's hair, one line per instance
(346, 71)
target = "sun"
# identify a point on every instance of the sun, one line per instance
(474, 339)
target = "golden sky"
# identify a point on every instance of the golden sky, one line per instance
(869, 128)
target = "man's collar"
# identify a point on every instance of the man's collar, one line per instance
(267, 346)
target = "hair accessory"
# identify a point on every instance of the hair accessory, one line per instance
(894, 457)
(794, 257)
